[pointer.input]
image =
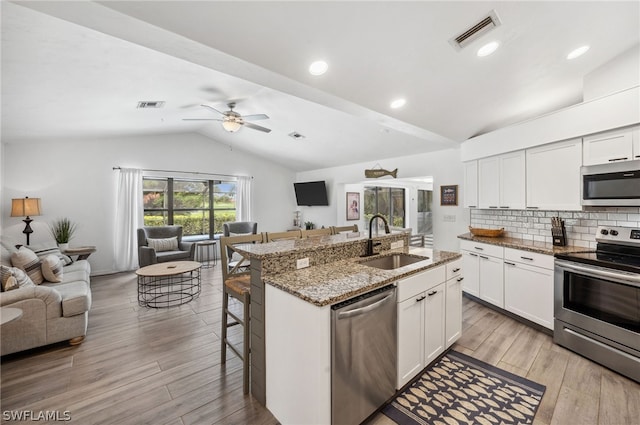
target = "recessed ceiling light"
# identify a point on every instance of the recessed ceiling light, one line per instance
(318, 68)
(398, 103)
(577, 52)
(488, 48)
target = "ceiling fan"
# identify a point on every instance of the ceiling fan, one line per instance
(232, 121)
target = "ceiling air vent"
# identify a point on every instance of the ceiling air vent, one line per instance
(150, 104)
(296, 135)
(488, 23)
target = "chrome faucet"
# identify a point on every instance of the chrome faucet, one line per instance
(370, 241)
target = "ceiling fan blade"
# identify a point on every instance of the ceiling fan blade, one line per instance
(257, 127)
(201, 119)
(213, 109)
(255, 117)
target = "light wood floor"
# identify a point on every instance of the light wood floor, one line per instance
(146, 366)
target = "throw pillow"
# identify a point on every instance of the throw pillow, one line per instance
(164, 244)
(28, 261)
(42, 252)
(52, 268)
(240, 234)
(11, 274)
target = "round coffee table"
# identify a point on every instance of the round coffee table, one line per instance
(168, 284)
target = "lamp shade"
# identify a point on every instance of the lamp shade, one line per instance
(25, 207)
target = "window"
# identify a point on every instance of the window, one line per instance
(425, 202)
(387, 201)
(199, 206)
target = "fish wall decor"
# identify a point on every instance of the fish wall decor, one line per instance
(375, 173)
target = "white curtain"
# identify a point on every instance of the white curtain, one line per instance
(243, 199)
(129, 217)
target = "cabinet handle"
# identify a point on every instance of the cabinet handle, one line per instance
(628, 174)
(511, 264)
(420, 299)
(478, 248)
(456, 270)
(472, 206)
(483, 257)
(533, 208)
(527, 258)
(492, 207)
(472, 254)
(618, 159)
(505, 207)
(460, 279)
(432, 293)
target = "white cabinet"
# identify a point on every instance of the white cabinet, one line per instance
(453, 303)
(470, 188)
(528, 286)
(635, 140)
(471, 282)
(483, 271)
(553, 176)
(421, 321)
(501, 181)
(434, 315)
(611, 146)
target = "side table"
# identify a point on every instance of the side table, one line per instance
(207, 250)
(83, 252)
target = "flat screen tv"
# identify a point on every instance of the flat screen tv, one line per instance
(311, 193)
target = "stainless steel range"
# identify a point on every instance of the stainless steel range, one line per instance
(597, 301)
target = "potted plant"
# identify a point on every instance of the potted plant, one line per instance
(62, 231)
(308, 225)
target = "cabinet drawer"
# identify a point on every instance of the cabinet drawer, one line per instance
(420, 282)
(482, 248)
(454, 268)
(531, 258)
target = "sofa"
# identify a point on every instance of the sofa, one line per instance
(51, 312)
(159, 244)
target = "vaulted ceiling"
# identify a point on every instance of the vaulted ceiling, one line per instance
(78, 69)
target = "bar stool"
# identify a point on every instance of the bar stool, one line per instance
(237, 284)
(207, 248)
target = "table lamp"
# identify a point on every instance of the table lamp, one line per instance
(24, 207)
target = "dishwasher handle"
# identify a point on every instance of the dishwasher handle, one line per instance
(362, 310)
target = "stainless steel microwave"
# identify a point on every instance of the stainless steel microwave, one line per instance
(615, 184)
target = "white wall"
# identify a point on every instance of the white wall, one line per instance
(75, 179)
(445, 167)
(620, 73)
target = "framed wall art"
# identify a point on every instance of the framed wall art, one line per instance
(353, 205)
(449, 195)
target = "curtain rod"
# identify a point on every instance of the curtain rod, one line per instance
(189, 172)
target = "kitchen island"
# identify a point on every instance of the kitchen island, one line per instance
(291, 309)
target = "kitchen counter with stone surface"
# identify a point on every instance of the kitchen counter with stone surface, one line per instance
(337, 281)
(523, 244)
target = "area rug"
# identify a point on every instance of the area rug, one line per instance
(459, 389)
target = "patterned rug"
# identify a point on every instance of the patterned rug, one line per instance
(459, 389)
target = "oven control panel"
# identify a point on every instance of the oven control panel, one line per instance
(617, 234)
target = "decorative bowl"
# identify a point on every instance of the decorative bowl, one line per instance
(491, 233)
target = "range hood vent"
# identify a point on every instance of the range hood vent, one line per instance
(485, 25)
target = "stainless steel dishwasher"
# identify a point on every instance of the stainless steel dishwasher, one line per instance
(363, 355)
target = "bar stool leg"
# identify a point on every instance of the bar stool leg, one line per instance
(247, 343)
(223, 337)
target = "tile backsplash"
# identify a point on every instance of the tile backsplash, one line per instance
(536, 224)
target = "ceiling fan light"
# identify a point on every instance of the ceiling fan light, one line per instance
(231, 126)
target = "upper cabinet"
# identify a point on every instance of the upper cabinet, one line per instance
(470, 189)
(501, 181)
(553, 176)
(611, 146)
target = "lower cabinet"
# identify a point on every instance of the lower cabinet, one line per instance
(483, 271)
(528, 288)
(429, 317)
(491, 280)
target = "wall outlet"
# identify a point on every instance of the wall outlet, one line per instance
(450, 218)
(302, 263)
(397, 244)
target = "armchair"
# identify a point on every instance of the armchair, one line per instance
(148, 255)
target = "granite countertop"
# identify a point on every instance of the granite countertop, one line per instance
(526, 245)
(277, 248)
(340, 280)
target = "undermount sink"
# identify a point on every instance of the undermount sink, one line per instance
(394, 261)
